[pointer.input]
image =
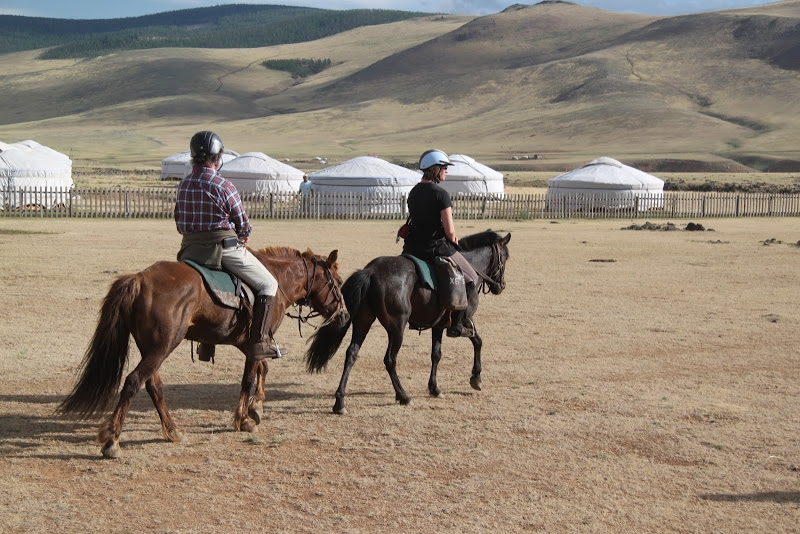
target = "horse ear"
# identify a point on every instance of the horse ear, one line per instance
(332, 257)
(507, 238)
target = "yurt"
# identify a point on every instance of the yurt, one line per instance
(468, 177)
(365, 184)
(176, 166)
(258, 174)
(605, 183)
(33, 174)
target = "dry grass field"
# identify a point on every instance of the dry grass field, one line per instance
(633, 381)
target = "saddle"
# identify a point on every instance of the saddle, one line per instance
(448, 281)
(226, 289)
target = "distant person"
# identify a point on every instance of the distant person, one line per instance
(433, 232)
(306, 187)
(210, 215)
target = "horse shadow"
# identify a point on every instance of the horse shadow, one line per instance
(21, 430)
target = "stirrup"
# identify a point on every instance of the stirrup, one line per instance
(462, 330)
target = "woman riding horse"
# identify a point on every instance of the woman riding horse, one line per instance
(432, 230)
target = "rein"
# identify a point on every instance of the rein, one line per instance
(311, 277)
(497, 269)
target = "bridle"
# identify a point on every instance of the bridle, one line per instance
(311, 278)
(494, 278)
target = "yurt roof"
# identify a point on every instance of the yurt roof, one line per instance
(365, 171)
(606, 174)
(179, 165)
(257, 165)
(466, 168)
(30, 160)
(471, 177)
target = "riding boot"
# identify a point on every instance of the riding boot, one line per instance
(261, 344)
(461, 324)
(205, 352)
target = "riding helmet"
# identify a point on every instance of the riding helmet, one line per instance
(205, 144)
(429, 158)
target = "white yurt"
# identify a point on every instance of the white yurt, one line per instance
(176, 166)
(33, 174)
(468, 177)
(256, 173)
(605, 183)
(365, 184)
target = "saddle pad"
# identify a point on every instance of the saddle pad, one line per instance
(221, 285)
(424, 271)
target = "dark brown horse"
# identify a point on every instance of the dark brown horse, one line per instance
(388, 289)
(166, 303)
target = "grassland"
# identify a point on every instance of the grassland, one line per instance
(652, 393)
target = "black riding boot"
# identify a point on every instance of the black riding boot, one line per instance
(461, 324)
(261, 344)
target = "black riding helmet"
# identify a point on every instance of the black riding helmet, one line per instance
(205, 145)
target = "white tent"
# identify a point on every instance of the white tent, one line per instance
(33, 174)
(605, 183)
(257, 173)
(366, 184)
(179, 165)
(467, 176)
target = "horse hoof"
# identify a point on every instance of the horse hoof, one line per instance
(340, 411)
(174, 436)
(475, 383)
(248, 425)
(111, 450)
(255, 415)
(438, 395)
(405, 401)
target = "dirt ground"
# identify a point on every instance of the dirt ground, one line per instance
(633, 381)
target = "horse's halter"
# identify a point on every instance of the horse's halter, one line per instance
(495, 279)
(311, 277)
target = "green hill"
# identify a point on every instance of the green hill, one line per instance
(226, 26)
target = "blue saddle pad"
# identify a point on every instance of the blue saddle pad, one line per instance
(424, 271)
(226, 288)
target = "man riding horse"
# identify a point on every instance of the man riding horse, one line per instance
(211, 217)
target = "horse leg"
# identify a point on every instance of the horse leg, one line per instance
(436, 356)
(360, 331)
(155, 388)
(108, 435)
(241, 420)
(255, 407)
(475, 379)
(390, 361)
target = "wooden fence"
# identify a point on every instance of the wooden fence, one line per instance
(159, 203)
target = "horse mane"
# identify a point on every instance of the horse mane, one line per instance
(481, 239)
(292, 253)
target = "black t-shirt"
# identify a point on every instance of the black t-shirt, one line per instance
(425, 204)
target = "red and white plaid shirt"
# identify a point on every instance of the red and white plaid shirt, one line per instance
(207, 201)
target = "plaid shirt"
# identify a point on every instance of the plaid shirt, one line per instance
(207, 201)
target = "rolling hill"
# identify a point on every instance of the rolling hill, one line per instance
(554, 78)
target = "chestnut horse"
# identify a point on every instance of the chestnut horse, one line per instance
(388, 289)
(168, 302)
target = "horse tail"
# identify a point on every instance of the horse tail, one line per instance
(105, 359)
(326, 341)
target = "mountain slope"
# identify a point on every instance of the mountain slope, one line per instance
(550, 78)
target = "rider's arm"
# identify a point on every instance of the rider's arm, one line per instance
(449, 225)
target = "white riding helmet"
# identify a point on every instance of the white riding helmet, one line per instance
(429, 158)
